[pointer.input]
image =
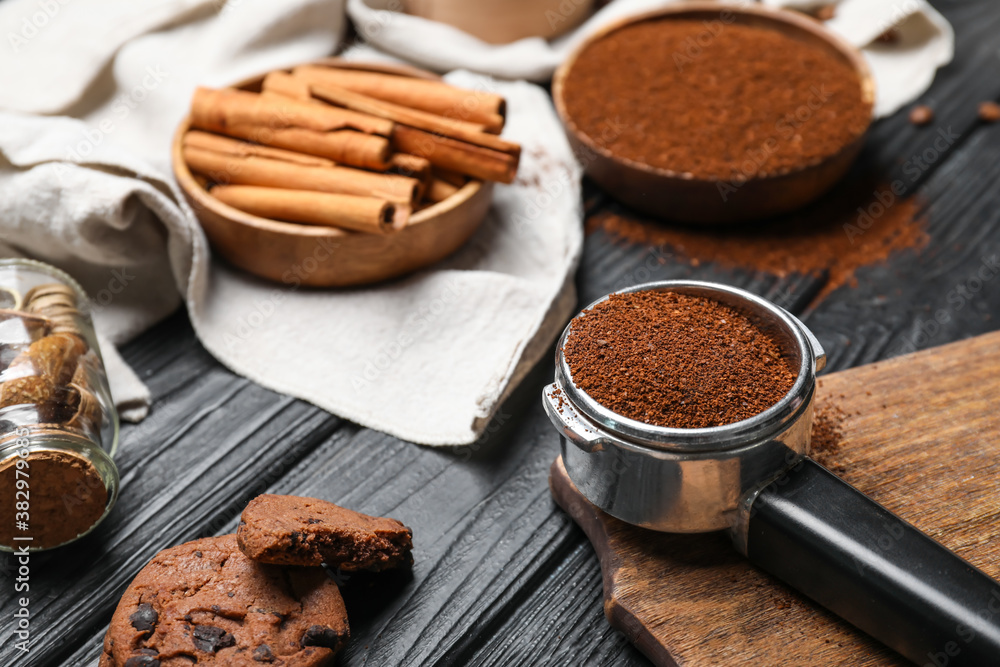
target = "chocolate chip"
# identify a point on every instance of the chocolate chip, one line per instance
(216, 608)
(197, 554)
(263, 654)
(210, 639)
(142, 661)
(320, 635)
(311, 520)
(144, 618)
(148, 651)
(231, 594)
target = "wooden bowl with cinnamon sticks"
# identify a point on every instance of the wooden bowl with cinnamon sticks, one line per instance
(335, 173)
(704, 112)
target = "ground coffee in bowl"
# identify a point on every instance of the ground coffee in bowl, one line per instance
(737, 101)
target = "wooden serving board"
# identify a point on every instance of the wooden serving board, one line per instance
(921, 435)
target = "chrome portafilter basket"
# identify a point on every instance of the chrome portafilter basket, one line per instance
(784, 511)
(687, 480)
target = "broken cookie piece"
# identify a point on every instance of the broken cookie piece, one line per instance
(289, 530)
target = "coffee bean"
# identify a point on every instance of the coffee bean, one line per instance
(921, 115)
(320, 635)
(210, 639)
(263, 654)
(989, 112)
(144, 618)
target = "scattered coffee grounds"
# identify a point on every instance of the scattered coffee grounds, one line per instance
(826, 435)
(676, 360)
(921, 115)
(989, 112)
(67, 497)
(680, 95)
(833, 237)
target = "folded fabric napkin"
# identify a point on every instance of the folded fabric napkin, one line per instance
(902, 70)
(85, 184)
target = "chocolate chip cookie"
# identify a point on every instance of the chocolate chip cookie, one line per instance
(288, 530)
(206, 603)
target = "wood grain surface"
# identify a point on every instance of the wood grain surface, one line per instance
(502, 575)
(920, 434)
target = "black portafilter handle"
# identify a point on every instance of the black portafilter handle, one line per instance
(839, 547)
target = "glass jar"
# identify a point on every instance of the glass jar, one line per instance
(58, 424)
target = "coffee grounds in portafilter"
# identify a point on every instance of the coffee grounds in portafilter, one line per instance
(675, 360)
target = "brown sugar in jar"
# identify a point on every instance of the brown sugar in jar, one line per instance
(675, 360)
(66, 497)
(723, 103)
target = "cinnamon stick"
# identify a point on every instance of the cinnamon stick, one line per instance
(283, 83)
(439, 190)
(475, 161)
(422, 120)
(342, 146)
(448, 176)
(215, 110)
(410, 165)
(227, 169)
(359, 214)
(437, 97)
(220, 144)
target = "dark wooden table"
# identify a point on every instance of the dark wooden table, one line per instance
(502, 576)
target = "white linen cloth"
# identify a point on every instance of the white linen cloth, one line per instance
(902, 70)
(92, 91)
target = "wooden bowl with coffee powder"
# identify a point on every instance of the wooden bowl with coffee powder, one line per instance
(709, 114)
